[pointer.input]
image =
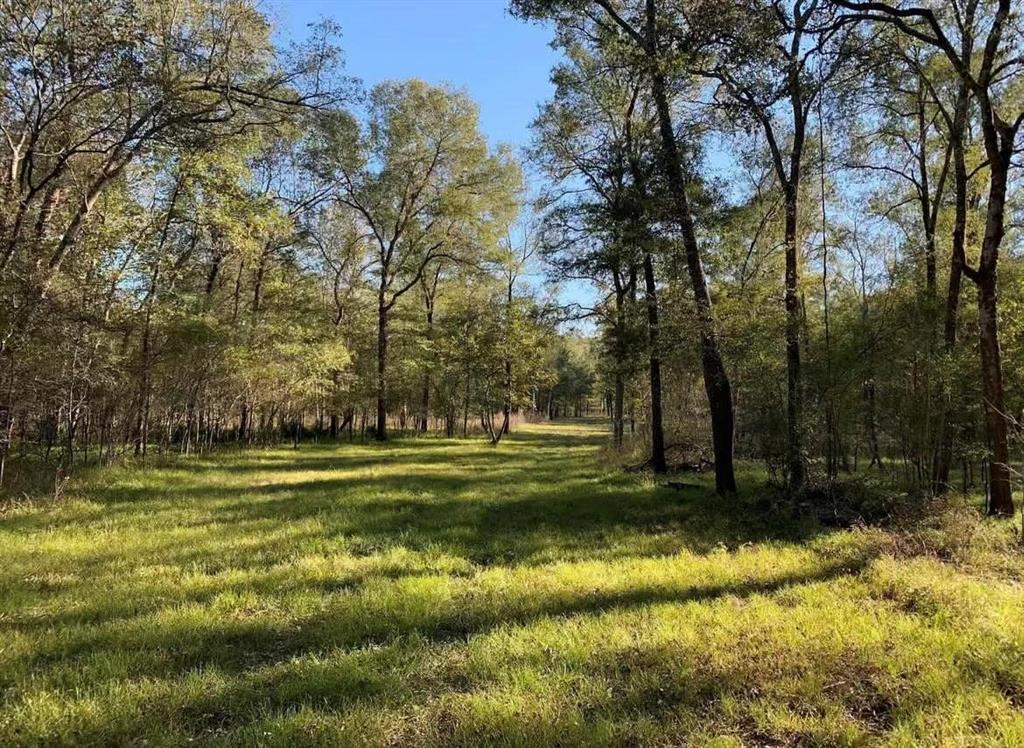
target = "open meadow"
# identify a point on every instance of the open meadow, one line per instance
(444, 592)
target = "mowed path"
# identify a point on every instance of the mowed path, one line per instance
(444, 592)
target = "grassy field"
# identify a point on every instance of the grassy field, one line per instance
(443, 592)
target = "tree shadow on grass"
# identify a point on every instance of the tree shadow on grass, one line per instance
(530, 510)
(263, 661)
(576, 521)
(539, 500)
(423, 510)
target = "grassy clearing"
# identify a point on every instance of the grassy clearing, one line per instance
(435, 592)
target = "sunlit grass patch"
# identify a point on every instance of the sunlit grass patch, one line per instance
(444, 592)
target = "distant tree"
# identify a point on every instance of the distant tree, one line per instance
(419, 179)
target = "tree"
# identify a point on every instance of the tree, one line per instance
(986, 77)
(911, 148)
(636, 29)
(419, 178)
(773, 60)
(598, 133)
(491, 350)
(97, 97)
(86, 97)
(512, 260)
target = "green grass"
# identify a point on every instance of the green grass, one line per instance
(443, 592)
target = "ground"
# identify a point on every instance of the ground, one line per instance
(445, 592)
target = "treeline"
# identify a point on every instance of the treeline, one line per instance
(205, 238)
(805, 221)
(803, 217)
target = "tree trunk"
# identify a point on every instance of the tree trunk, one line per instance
(988, 326)
(619, 349)
(214, 272)
(871, 423)
(425, 405)
(426, 374)
(497, 434)
(257, 285)
(944, 456)
(999, 143)
(928, 216)
(794, 403)
(618, 422)
(506, 408)
(658, 463)
(716, 381)
(992, 387)
(449, 420)
(142, 424)
(382, 352)
(507, 404)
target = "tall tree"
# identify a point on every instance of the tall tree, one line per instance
(594, 141)
(773, 60)
(987, 75)
(418, 177)
(636, 29)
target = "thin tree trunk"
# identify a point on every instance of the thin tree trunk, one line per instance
(871, 423)
(716, 381)
(928, 215)
(428, 296)
(506, 407)
(425, 405)
(658, 463)
(382, 351)
(618, 403)
(142, 423)
(244, 417)
(794, 403)
(944, 457)
(618, 422)
(257, 286)
(507, 404)
(214, 272)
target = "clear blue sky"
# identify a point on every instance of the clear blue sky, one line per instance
(502, 62)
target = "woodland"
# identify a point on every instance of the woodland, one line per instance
(309, 435)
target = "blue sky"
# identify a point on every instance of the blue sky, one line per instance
(502, 62)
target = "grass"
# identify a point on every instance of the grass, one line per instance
(443, 592)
